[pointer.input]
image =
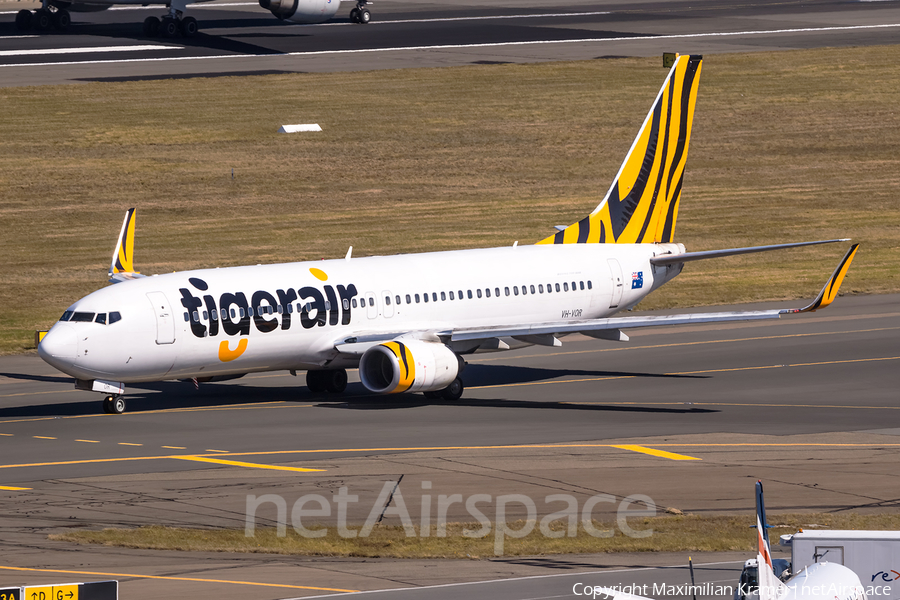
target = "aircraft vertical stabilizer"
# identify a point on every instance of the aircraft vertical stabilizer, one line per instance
(641, 206)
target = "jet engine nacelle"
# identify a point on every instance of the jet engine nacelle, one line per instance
(408, 366)
(302, 11)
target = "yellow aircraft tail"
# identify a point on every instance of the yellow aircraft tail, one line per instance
(641, 206)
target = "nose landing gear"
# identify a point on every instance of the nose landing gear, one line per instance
(114, 405)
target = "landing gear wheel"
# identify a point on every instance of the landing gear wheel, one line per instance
(168, 27)
(23, 20)
(114, 405)
(41, 20)
(354, 15)
(189, 27)
(454, 391)
(61, 20)
(315, 381)
(364, 16)
(335, 381)
(151, 27)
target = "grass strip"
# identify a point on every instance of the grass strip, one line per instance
(786, 146)
(682, 533)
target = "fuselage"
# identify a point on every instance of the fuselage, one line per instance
(215, 322)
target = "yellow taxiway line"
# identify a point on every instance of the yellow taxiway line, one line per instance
(235, 463)
(654, 452)
(167, 578)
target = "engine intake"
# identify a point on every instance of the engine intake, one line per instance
(408, 366)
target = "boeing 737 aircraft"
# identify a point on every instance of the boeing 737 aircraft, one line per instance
(56, 14)
(406, 320)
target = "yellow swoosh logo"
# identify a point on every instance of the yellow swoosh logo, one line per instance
(227, 354)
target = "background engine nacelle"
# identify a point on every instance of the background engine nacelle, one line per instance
(302, 11)
(408, 366)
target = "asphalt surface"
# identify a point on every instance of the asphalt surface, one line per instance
(808, 404)
(240, 38)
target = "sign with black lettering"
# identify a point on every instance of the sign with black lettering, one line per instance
(98, 590)
(10, 593)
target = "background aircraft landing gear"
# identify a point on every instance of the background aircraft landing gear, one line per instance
(43, 19)
(114, 405)
(171, 25)
(360, 14)
(333, 381)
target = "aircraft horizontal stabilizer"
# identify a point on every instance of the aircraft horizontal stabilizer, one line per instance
(122, 267)
(669, 259)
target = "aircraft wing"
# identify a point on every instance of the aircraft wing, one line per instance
(611, 328)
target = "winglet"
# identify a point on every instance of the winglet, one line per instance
(830, 291)
(122, 266)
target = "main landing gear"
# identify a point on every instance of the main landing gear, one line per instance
(333, 381)
(171, 25)
(360, 14)
(114, 405)
(43, 19)
(452, 392)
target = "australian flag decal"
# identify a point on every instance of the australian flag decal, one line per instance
(637, 280)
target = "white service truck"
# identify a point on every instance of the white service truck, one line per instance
(873, 555)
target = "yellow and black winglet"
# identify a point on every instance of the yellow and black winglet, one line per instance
(122, 266)
(641, 205)
(830, 291)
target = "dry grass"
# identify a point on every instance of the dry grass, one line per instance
(786, 146)
(669, 534)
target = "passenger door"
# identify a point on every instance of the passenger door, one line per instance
(618, 284)
(165, 322)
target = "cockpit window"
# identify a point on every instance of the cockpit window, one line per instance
(84, 317)
(101, 318)
(66, 315)
(114, 317)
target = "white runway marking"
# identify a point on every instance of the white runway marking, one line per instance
(466, 46)
(85, 50)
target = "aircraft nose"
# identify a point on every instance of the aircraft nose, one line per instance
(60, 342)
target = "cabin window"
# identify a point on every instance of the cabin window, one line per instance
(451, 295)
(196, 316)
(187, 317)
(214, 315)
(532, 290)
(371, 302)
(434, 296)
(290, 307)
(417, 298)
(589, 284)
(506, 291)
(250, 311)
(205, 315)
(425, 296)
(460, 295)
(82, 317)
(487, 292)
(387, 300)
(242, 313)
(66, 316)
(574, 287)
(101, 318)
(565, 286)
(397, 299)
(478, 292)
(280, 309)
(497, 292)
(443, 296)
(114, 317)
(541, 288)
(515, 290)
(557, 287)
(582, 284)
(470, 294)
(408, 299)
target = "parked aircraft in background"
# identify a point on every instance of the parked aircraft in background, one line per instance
(407, 320)
(55, 14)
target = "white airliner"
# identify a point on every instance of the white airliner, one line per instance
(55, 14)
(406, 320)
(821, 581)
